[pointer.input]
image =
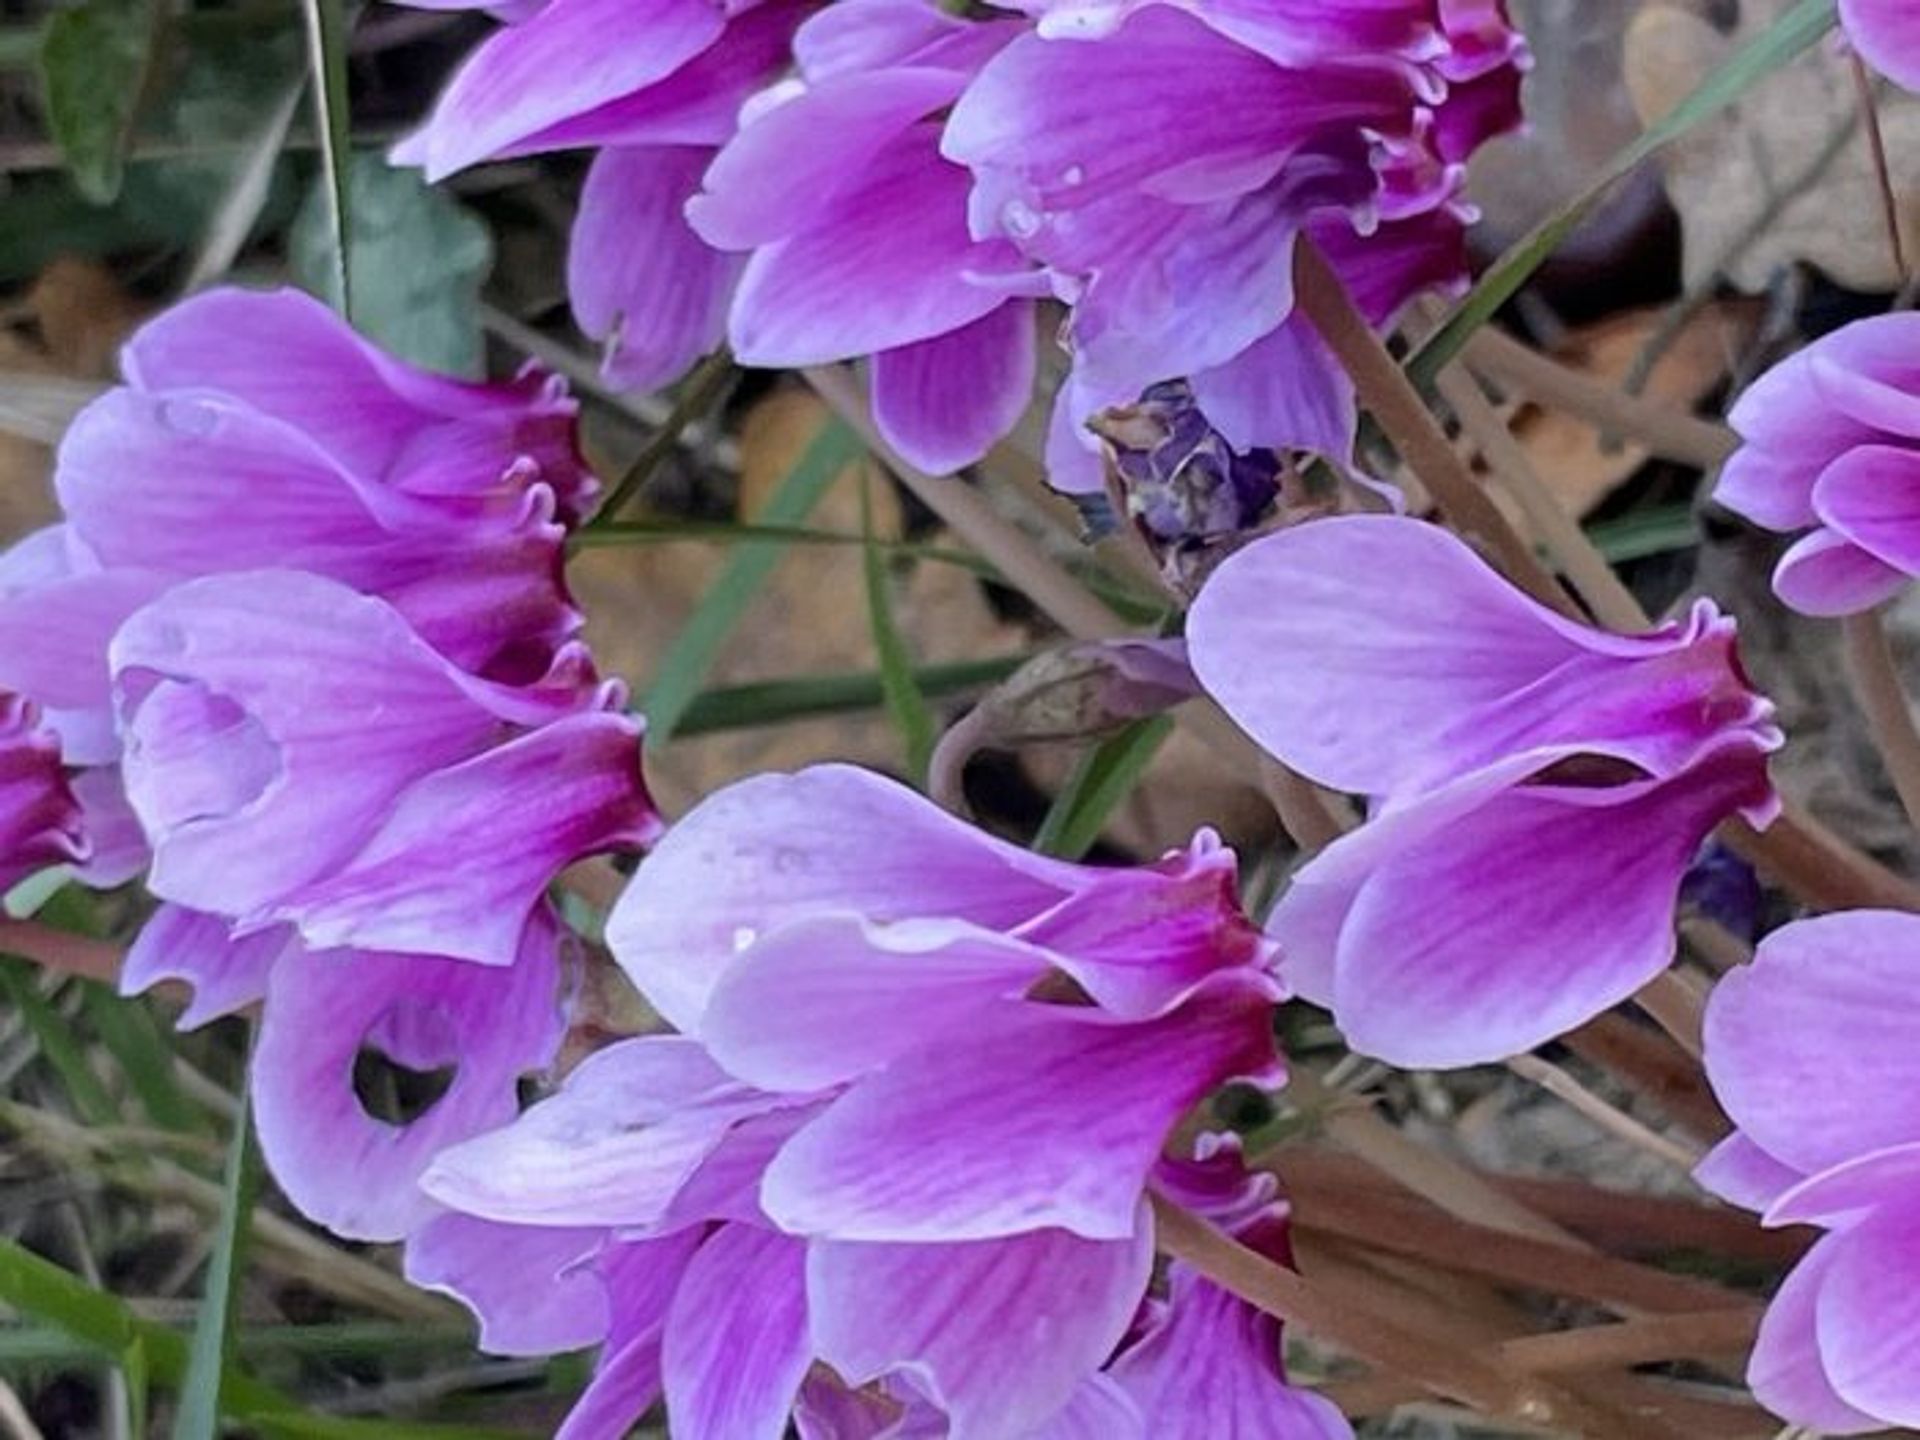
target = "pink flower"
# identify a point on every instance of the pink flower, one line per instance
(1513, 757)
(857, 230)
(655, 89)
(296, 752)
(1887, 33)
(1830, 448)
(926, 1063)
(344, 1168)
(40, 820)
(1810, 1050)
(1168, 223)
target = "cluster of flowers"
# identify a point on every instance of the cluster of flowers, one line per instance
(302, 651)
(765, 168)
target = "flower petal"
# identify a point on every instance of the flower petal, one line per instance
(1049, 1116)
(1887, 33)
(343, 1168)
(829, 839)
(736, 1342)
(642, 282)
(1825, 574)
(1871, 496)
(529, 1286)
(998, 1333)
(612, 1147)
(569, 58)
(1834, 1197)
(943, 403)
(1739, 1171)
(641, 1278)
(1786, 1371)
(1285, 392)
(1867, 1315)
(1841, 984)
(226, 973)
(1495, 940)
(465, 855)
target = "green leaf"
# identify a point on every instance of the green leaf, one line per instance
(138, 1375)
(327, 63)
(1785, 40)
(1104, 777)
(767, 702)
(199, 1415)
(906, 706)
(415, 260)
(697, 646)
(93, 68)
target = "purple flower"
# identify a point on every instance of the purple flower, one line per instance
(296, 752)
(857, 230)
(934, 1070)
(343, 1167)
(1513, 756)
(1887, 34)
(40, 820)
(655, 88)
(1810, 1050)
(1830, 448)
(1168, 221)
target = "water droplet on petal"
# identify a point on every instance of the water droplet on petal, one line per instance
(188, 417)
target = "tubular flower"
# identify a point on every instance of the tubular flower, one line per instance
(1168, 222)
(1887, 34)
(1513, 758)
(296, 752)
(865, 988)
(857, 230)
(1831, 446)
(661, 95)
(1810, 1050)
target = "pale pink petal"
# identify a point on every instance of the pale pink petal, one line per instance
(1099, 1410)
(1867, 1314)
(943, 403)
(900, 232)
(824, 1000)
(116, 846)
(1871, 496)
(1050, 1116)
(1457, 953)
(1841, 984)
(1887, 33)
(1835, 1197)
(53, 637)
(569, 58)
(998, 1333)
(641, 281)
(225, 974)
(832, 839)
(1211, 1368)
(613, 1147)
(530, 1286)
(357, 1175)
(736, 1343)
(1282, 392)
(640, 1278)
(465, 855)
(1739, 1171)
(1824, 573)
(1786, 1371)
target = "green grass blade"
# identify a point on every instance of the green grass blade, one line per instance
(106, 1327)
(1785, 40)
(64, 1050)
(906, 706)
(697, 646)
(1658, 531)
(137, 1042)
(327, 57)
(1104, 777)
(199, 1415)
(767, 702)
